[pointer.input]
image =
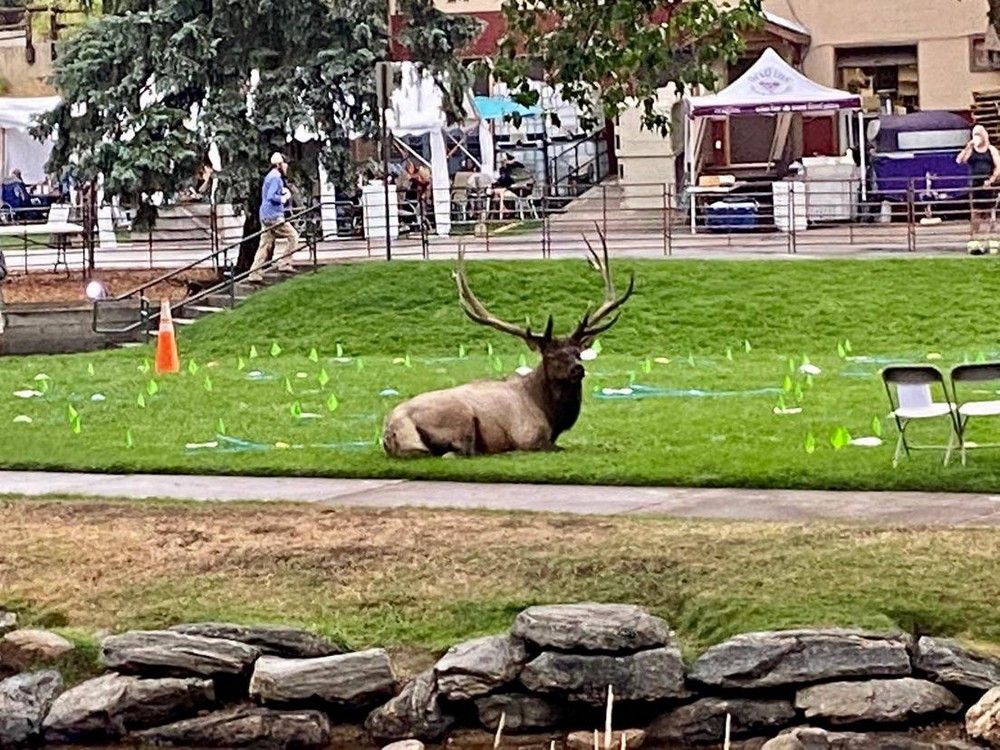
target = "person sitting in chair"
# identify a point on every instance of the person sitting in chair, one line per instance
(514, 181)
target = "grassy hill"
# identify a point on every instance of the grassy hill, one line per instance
(735, 335)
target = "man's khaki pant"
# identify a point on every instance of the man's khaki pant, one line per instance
(271, 233)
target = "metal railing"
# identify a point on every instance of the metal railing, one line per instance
(223, 259)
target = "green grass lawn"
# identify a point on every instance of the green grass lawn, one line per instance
(400, 332)
(419, 581)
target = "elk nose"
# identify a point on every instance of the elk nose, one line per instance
(577, 372)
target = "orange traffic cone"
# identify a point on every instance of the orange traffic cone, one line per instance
(166, 343)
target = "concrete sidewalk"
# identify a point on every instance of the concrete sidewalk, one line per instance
(798, 506)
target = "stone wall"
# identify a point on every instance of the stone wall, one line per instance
(48, 329)
(546, 681)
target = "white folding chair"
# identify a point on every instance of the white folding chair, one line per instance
(910, 389)
(980, 373)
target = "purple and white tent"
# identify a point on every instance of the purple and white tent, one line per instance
(771, 86)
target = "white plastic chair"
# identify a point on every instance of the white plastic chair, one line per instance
(910, 389)
(985, 372)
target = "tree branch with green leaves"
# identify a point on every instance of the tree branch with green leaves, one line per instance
(607, 56)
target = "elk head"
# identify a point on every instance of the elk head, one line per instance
(561, 363)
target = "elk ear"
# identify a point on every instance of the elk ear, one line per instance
(541, 343)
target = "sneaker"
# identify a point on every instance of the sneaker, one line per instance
(286, 269)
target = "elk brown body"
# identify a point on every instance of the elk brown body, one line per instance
(526, 413)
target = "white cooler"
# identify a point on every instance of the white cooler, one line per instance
(789, 205)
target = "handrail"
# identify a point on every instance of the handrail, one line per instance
(229, 279)
(211, 256)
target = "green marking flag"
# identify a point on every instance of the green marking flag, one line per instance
(980, 357)
(241, 364)
(809, 381)
(798, 391)
(295, 409)
(461, 351)
(129, 443)
(152, 388)
(847, 345)
(340, 350)
(323, 378)
(522, 361)
(288, 386)
(631, 377)
(596, 346)
(647, 365)
(788, 385)
(729, 353)
(253, 352)
(75, 425)
(193, 367)
(497, 364)
(746, 346)
(406, 361)
(810, 444)
(72, 412)
(332, 403)
(220, 427)
(313, 355)
(691, 359)
(876, 427)
(841, 438)
(781, 403)
(144, 367)
(208, 384)
(489, 349)
(805, 359)
(275, 349)
(359, 365)
(141, 401)
(43, 386)
(791, 365)
(841, 351)
(90, 368)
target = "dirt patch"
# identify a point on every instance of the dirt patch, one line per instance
(69, 288)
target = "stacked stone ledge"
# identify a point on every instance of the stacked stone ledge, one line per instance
(218, 685)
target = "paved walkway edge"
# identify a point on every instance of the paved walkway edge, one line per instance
(796, 506)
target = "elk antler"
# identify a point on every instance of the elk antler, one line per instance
(478, 313)
(593, 324)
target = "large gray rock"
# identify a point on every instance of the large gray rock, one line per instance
(112, 705)
(945, 661)
(24, 701)
(271, 640)
(523, 712)
(23, 649)
(645, 676)
(604, 628)
(358, 679)
(876, 701)
(8, 622)
(982, 722)
(479, 667)
(162, 652)
(809, 738)
(795, 657)
(415, 713)
(245, 726)
(704, 722)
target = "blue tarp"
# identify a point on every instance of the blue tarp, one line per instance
(499, 107)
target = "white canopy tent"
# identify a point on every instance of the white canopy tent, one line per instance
(771, 87)
(18, 149)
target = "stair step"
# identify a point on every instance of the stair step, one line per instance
(206, 309)
(184, 321)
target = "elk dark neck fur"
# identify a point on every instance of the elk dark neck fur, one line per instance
(559, 400)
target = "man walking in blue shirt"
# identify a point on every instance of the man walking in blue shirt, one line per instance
(274, 196)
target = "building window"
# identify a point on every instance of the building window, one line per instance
(983, 58)
(886, 78)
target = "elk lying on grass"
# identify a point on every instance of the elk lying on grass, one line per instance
(517, 414)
